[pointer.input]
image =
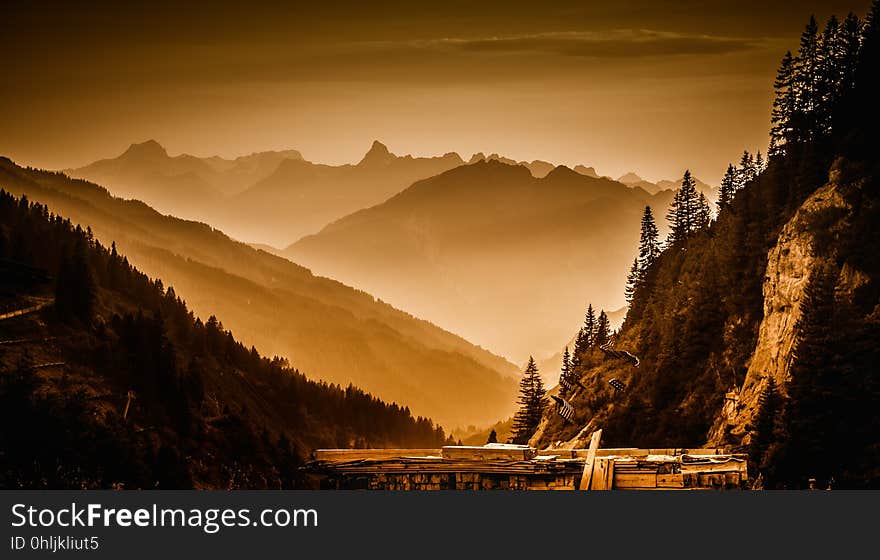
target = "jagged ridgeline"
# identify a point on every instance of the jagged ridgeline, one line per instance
(784, 284)
(111, 381)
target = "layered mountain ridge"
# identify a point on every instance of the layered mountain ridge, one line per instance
(329, 330)
(491, 251)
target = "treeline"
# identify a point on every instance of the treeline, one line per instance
(206, 410)
(696, 300)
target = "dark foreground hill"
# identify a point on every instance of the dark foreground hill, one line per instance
(111, 382)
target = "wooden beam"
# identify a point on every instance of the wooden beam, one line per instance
(603, 474)
(487, 453)
(343, 455)
(586, 478)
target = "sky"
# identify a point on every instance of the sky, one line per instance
(630, 85)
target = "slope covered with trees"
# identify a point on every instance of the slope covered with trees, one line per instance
(329, 330)
(697, 309)
(118, 384)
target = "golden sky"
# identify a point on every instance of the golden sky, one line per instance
(626, 85)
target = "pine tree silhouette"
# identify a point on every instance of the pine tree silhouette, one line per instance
(531, 404)
(765, 424)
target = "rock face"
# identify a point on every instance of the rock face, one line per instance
(789, 265)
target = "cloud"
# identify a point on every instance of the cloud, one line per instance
(620, 43)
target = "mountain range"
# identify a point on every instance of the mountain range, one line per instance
(183, 185)
(632, 180)
(266, 197)
(277, 197)
(273, 198)
(329, 330)
(492, 252)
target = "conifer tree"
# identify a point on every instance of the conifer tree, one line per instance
(728, 188)
(682, 213)
(828, 79)
(784, 106)
(531, 404)
(493, 437)
(565, 372)
(590, 327)
(580, 346)
(704, 213)
(746, 171)
(809, 65)
(603, 329)
(766, 418)
(649, 241)
(633, 279)
(850, 42)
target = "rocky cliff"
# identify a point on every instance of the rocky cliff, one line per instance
(789, 265)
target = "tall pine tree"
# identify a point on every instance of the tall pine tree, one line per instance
(633, 279)
(649, 240)
(704, 213)
(850, 41)
(580, 346)
(565, 373)
(682, 213)
(828, 78)
(746, 170)
(531, 404)
(809, 92)
(784, 106)
(728, 188)
(603, 329)
(766, 419)
(589, 327)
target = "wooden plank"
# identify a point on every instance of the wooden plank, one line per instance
(560, 453)
(342, 455)
(487, 453)
(670, 481)
(726, 466)
(619, 452)
(603, 474)
(630, 481)
(586, 478)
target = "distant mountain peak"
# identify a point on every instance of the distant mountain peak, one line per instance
(150, 148)
(561, 171)
(588, 171)
(629, 178)
(378, 154)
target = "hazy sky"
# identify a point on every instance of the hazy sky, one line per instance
(621, 85)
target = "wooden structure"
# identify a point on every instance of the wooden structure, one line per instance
(518, 467)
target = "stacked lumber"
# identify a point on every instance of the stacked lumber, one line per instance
(490, 452)
(515, 467)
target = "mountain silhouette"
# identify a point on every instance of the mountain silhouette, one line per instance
(182, 185)
(329, 330)
(633, 180)
(537, 168)
(491, 252)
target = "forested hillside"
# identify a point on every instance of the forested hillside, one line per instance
(120, 385)
(759, 329)
(329, 330)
